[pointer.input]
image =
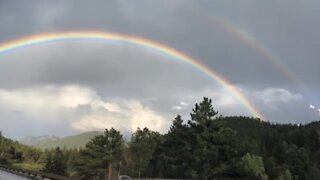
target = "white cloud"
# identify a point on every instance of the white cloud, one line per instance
(314, 108)
(81, 108)
(142, 116)
(220, 96)
(50, 101)
(223, 101)
(317, 110)
(182, 103)
(176, 107)
(131, 116)
(275, 95)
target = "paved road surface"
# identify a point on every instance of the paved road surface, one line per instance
(7, 176)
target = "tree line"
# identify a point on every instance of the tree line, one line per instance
(206, 146)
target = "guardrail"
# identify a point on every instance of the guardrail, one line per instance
(34, 174)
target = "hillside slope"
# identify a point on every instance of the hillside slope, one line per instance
(75, 141)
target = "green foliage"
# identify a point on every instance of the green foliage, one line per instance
(171, 155)
(100, 152)
(252, 167)
(141, 148)
(298, 162)
(313, 174)
(286, 176)
(208, 146)
(55, 163)
(13, 152)
(34, 166)
(203, 112)
(211, 143)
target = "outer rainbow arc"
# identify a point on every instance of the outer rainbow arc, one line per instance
(250, 41)
(42, 38)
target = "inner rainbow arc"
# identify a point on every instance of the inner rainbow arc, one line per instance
(137, 41)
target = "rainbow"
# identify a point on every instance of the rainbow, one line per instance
(136, 41)
(254, 44)
(249, 40)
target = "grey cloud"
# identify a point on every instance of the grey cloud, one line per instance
(115, 69)
(183, 26)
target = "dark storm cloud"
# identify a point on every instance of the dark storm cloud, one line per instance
(288, 29)
(187, 26)
(100, 65)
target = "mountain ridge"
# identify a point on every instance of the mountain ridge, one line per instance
(51, 141)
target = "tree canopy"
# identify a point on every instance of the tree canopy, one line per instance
(206, 146)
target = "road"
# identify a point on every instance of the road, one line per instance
(8, 176)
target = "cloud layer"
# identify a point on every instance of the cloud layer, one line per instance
(80, 108)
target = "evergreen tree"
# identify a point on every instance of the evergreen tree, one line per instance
(210, 142)
(142, 146)
(55, 163)
(203, 112)
(207, 147)
(171, 158)
(298, 161)
(100, 154)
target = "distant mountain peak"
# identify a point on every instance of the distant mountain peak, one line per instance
(34, 140)
(51, 141)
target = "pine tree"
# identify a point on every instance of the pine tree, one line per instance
(142, 146)
(210, 142)
(100, 154)
(56, 163)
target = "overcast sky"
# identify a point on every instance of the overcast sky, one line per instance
(67, 87)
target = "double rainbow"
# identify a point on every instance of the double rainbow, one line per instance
(135, 41)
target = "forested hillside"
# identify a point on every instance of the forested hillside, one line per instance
(205, 146)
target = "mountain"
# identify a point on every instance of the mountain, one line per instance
(49, 142)
(33, 141)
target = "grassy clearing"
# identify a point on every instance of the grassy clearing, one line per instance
(29, 165)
